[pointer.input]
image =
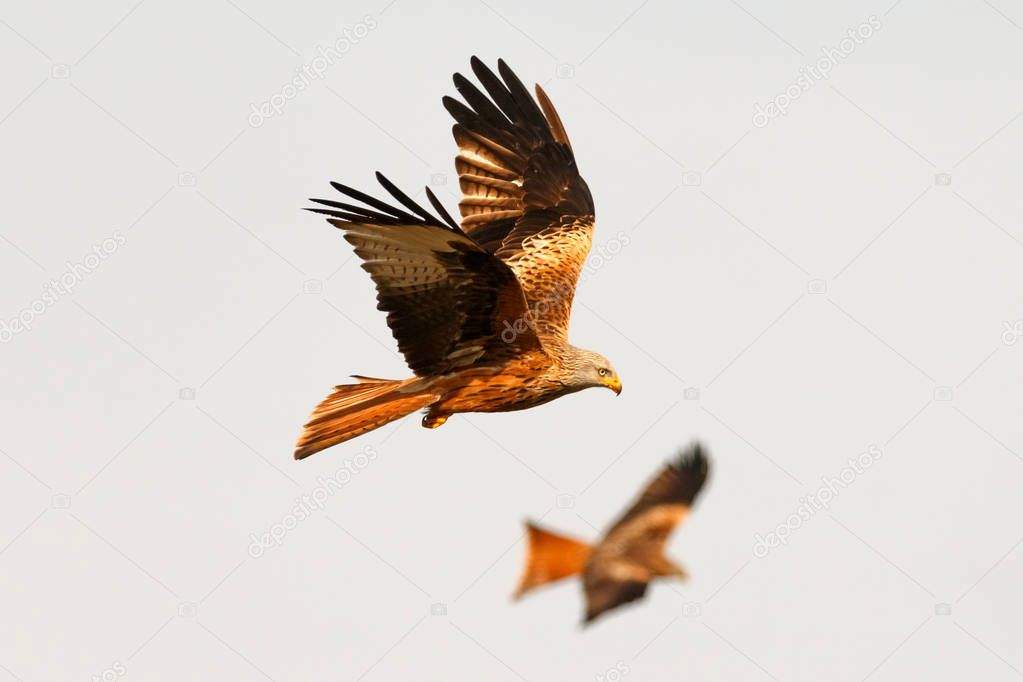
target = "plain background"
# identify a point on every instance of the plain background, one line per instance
(791, 295)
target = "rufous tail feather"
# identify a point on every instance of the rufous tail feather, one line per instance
(550, 557)
(353, 409)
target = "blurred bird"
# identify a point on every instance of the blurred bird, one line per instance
(618, 568)
(479, 309)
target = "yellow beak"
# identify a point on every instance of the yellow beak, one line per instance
(614, 383)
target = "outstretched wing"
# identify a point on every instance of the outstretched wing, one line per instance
(669, 495)
(446, 298)
(605, 591)
(619, 567)
(524, 199)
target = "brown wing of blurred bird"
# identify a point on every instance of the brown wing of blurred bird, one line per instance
(618, 568)
(479, 309)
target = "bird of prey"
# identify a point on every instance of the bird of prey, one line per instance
(479, 308)
(618, 568)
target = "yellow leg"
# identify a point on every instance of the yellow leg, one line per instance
(432, 421)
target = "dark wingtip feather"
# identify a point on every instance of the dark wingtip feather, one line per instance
(407, 201)
(692, 459)
(460, 112)
(380, 212)
(344, 189)
(439, 207)
(448, 101)
(347, 217)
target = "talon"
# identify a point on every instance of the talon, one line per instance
(433, 421)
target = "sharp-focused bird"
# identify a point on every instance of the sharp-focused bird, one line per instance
(479, 309)
(618, 568)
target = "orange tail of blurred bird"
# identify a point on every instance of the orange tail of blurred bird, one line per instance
(354, 409)
(550, 557)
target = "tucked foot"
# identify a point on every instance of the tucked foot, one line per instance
(432, 421)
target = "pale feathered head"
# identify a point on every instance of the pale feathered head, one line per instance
(589, 369)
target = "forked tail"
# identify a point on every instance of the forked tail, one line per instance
(550, 557)
(354, 409)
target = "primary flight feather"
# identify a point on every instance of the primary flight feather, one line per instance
(479, 309)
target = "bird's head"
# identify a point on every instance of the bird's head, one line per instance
(667, 568)
(591, 369)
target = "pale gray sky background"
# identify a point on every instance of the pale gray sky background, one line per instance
(792, 289)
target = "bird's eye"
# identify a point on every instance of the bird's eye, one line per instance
(602, 372)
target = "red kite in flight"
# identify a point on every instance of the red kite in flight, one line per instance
(479, 309)
(619, 567)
